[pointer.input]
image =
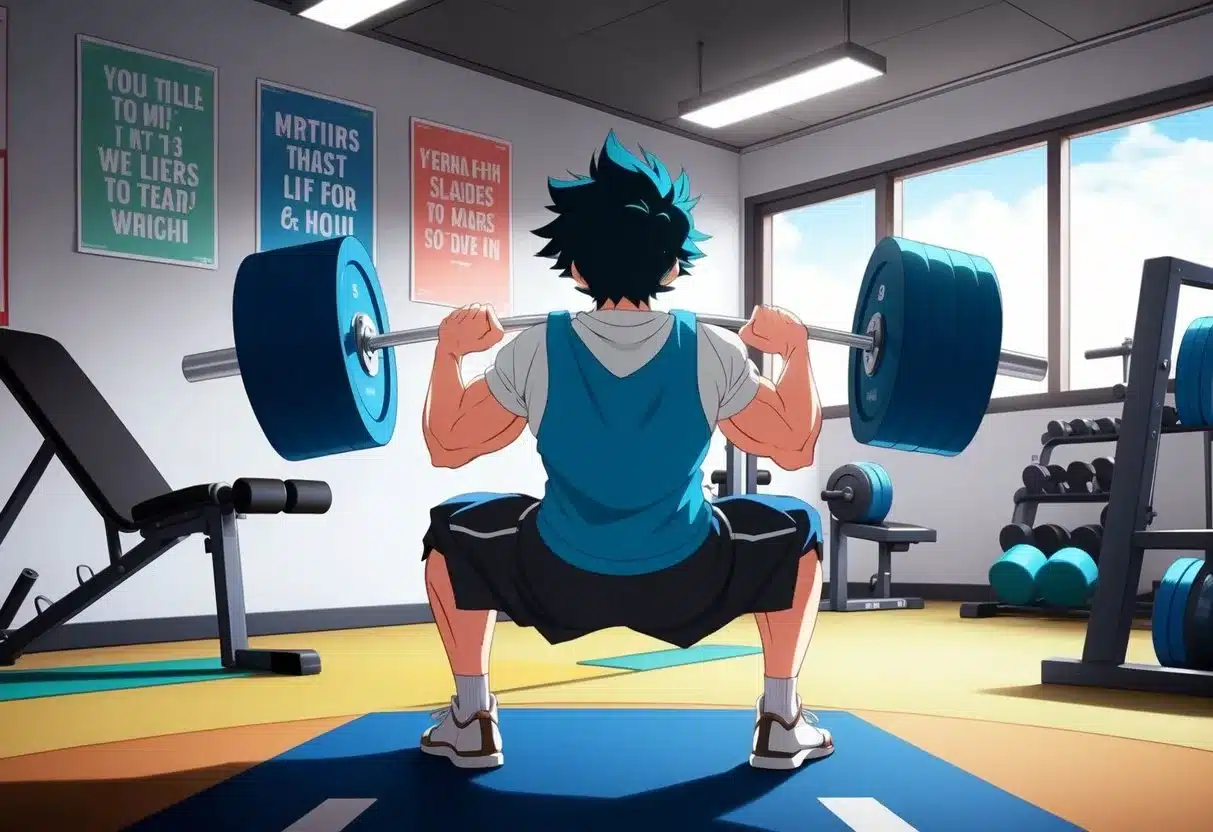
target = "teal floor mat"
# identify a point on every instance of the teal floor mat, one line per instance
(674, 658)
(63, 681)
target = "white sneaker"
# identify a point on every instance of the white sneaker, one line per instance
(474, 743)
(785, 746)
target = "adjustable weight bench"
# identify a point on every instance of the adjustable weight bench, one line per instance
(79, 427)
(889, 538)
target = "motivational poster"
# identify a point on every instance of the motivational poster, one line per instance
(461, 205)
(147, 155)
(315, 168)
(3, 166)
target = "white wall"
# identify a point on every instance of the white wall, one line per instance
(968, 498)
(128, 323)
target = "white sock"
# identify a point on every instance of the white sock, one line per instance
(471, 694)
(779, 698)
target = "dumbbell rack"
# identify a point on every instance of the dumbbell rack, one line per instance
(1126, 537)
(1026, 506)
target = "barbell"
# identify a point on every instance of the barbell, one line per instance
(314, 348)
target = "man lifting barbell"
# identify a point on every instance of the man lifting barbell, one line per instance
(624, 401)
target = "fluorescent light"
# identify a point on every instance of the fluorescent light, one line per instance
(824, 73)
(342, 14)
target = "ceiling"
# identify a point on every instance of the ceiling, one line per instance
(640, 58)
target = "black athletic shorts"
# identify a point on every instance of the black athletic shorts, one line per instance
(498, 561)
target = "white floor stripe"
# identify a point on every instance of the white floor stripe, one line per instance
(865, 814)
(332, 815)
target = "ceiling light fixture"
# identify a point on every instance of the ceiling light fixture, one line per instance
(842, 66)
(342, 14)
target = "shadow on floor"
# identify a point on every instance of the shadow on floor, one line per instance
(1121, 700)
(413, 793)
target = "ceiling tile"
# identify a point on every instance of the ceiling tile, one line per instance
(570, 17)
(1085, 19)
(873, 21)
(589, 68)
(747, 132)
(740, 39)
(497, 39)
(956, 48)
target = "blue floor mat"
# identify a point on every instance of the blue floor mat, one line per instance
(633, 770)
(673, 658)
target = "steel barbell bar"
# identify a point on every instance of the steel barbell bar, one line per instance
(205, 366)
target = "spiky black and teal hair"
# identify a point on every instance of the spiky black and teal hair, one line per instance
(625, 225)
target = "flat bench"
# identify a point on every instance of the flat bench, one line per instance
(889, 538)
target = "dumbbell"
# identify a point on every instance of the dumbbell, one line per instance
(1104, 467)
(1015, 534)
(860, 492)
(1013, 576)
(1107, 426)
(1118, 392)
(1057, 428)
(1050, 538)
(1088, 538)
(1041, 479)
(1170, 416)
(1080, 476)
(1068, 578)
(1082, 427)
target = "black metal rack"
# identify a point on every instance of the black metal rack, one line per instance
(1130, 502)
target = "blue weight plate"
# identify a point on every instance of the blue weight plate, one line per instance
(880, 489)
(979, 342)
(1188, 371)
(1178, 613)
(880, 291)
(886, 491)
(930, 427)
(1205, 372)
(1198, 627)
(292, 316)
(1164, 600)
(899, 284)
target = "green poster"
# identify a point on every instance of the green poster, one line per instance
(146, 140)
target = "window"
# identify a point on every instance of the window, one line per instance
(1136, 192)
(994, 207)
(820, 253)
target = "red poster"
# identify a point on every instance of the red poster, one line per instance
(461, 205)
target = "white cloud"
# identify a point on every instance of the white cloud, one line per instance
(1150, 198)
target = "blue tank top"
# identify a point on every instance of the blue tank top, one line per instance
(623, 456)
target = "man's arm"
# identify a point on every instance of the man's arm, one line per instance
(783, 420)
(462, 422)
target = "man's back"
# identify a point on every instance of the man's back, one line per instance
(623, 403)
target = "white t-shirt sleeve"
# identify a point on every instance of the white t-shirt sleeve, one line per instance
(511, 378)
(728, 379)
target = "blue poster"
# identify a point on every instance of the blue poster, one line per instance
(315, 168)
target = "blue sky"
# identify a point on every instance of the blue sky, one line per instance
(826, 242)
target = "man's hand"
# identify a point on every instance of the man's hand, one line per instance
(774, 331)
(469, 329)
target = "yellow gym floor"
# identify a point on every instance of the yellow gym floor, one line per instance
(966, 691)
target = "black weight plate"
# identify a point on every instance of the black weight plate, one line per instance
(856, 479)
(1015, 534)
(1089, 538)
(1080, 476)
(1104, 467)
(1051, 538)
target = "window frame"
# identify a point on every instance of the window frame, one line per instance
(1055, 134)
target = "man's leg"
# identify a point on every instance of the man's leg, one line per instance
(467, 732)
(785, 639)
(467, 637)
(785, 735)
